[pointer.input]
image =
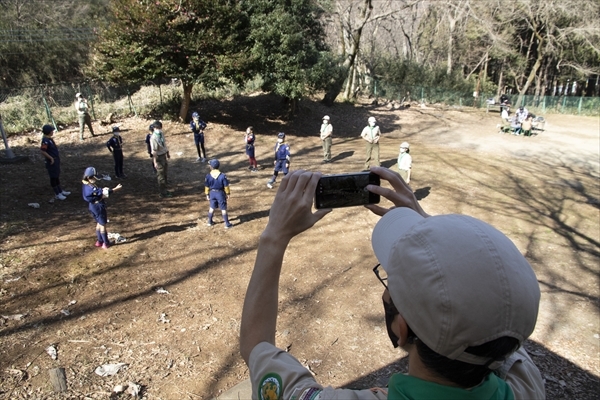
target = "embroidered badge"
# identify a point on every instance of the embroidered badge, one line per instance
(270, 387)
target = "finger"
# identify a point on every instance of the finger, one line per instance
(309, 191)
(378, 210)
(392, 177)
(301, 190)
(285, 182)
(319, 214)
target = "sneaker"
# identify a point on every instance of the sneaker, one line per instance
(270, 185)
(199, 159)
(60, 196)
(65, 193)
(254, 170)
(98, 244)
(210, 223)
(228, 226)
(105, 246)
(203, 159)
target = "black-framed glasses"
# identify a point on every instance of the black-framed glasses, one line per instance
(381, 275)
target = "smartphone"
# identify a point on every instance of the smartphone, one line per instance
(346, 190)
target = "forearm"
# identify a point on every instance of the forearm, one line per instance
(46, 155)
(259, 315)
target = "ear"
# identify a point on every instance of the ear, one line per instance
(402, 327)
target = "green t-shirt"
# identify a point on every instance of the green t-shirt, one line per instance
(405, 387)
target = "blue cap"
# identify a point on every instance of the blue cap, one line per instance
(151, 128)
(90, 172)
(281, 135)
(116, 129)
(214, 163)
(195, 115)
(47, 129)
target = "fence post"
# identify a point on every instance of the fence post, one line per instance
(375, 88)
(544, 104)
(579, 107)
(160, 94)
(422, 101)
(563, 104)
(8, 150)
(91, 98)
(48, 112)
(130, 102)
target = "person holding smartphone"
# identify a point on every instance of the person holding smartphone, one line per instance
(458, 297)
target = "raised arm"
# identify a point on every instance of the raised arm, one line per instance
(291, 214)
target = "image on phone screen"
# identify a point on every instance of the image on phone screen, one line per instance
(346, 190)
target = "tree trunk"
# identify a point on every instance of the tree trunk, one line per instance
(185, 104)
(500, 83)
(450, 45)
(534, 70)
(353, 37)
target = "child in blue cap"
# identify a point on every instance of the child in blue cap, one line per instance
(216, 187)
(95, 196)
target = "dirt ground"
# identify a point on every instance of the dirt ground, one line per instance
(100, 307)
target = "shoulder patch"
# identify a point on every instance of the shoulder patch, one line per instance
(270, 387)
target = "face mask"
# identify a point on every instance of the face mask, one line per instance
(390, 313)
(371, 123)
(279, 140)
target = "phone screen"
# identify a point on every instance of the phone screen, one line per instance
(346, 190)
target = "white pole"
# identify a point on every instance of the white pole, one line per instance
(9, 152)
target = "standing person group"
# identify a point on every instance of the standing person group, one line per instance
(81, 106)
(371, 134)
(115, 146)
(326, 137)
(197, 126)
(160, 155)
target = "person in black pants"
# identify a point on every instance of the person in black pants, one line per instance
(115, 146)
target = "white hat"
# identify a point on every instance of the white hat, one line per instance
(371, 119)
(326, 117)
(457, 281)
(405, 145)
(77, 95)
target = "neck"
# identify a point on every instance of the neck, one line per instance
(417, 369)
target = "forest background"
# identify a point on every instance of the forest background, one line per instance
(296, 48)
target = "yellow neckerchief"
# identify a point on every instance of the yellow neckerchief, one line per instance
(215, 173)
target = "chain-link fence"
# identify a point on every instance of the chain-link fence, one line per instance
(28, 108)
(539, 104)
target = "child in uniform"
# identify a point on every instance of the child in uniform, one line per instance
(95, 196)
(249, 139)
(216, 188)
(197, 126)
(405, 162)
(148, 136)
(115, 146)
(50, 153)
(282, 159)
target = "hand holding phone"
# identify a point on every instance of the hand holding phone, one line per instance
(346, 190)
